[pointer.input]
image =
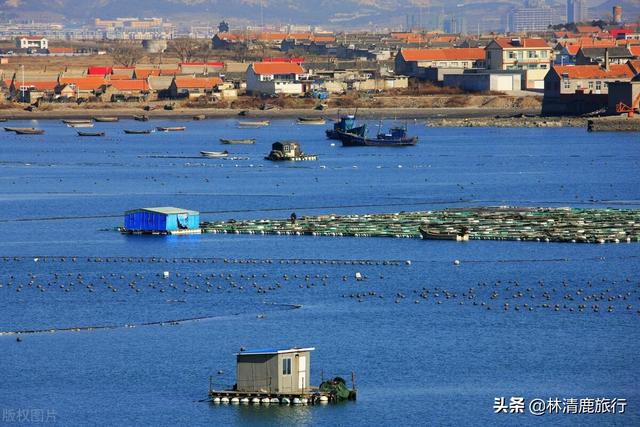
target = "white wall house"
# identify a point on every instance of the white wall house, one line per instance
(31, 42)
(273, 78)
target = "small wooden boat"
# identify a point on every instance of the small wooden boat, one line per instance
(76, 121)
(2, 120)
(171, 128)
(237, 141)
(28, 131)
(137, 132)
(80, 133)
(430, 234)
(106, 119)
(214, 154)
(10, 129)
(80, 125)
(199, 117)
(142, 118)
(311, 121)
(253, 123)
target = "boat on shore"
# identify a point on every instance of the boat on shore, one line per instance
(81, 133)
(311, 120)
(137, 131)
(142, 118)
(214, 154)
(430, 234)
(76, 121)
(346, 124)
(247, 141)
(106, 119)
(253, 123)
(396, 137)
(199, 117)
(171, 128)
(28, 131)
(80, 125)
(2, 119)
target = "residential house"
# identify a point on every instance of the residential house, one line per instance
(272, 78)
(32, 42)
(159, 86)
(31, 91)
(124, 90)
(532, 56)
(598, 55)
(193, 87)
(82, 87)
(584, 79)
(425, 63)
(201, 68)
(627, 93)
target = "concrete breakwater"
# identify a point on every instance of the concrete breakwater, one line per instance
(509, 122)
(482, 223)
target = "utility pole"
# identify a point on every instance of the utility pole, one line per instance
(22, 87)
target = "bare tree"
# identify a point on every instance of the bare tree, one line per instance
(186, 48)
(127, 54)
(204, 51)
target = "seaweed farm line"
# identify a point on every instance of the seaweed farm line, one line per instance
(484, 223)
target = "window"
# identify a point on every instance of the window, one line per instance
(567, 83)
(590, 85)
(454, 64)
(543, 66)
(598, 85)
(543, 54)
(286, 366)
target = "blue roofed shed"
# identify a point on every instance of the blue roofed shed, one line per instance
(165, 219)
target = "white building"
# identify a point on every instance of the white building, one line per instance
(272, 78)
(32, 42)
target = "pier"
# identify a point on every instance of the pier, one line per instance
(480, 223)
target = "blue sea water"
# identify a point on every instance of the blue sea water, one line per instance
(420, 358)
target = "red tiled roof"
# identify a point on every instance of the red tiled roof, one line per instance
(84, 83)
(588, 29)
(129, 85)
(143, 73)
(595, 71)
(634, 64)
(271, 36)
(506, 43)
(452, 54)
(99, 70)
(299, 60)
(123, 76)
(60, 50)
(328, 39)
(635, 51)
(197, 82)
(38, 85)
(276, 68)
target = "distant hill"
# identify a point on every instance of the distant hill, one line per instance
(332, 13)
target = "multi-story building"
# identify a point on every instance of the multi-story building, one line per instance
(532, 56)
(577, 11)
(524, 19)
(32, 42)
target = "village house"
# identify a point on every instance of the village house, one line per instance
(584, 79)
(432, 64)
(532, 56)
(32, 42)
(193, 87)
(116, 90)
(598, 55)
(31, 91)
(81, 87)
(626, 93)
(273, 78)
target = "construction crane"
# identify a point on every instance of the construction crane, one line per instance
(621, 107)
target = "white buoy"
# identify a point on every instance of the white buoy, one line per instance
(296, 401)
(216, 400)
(165, 274)
(224, 400)
(358, 276)
(275, 400)
(255, 401)
(324, 399)
(235, 401)
(285, 401)
(36, 259)
(456, 262)
(304, 401)
(265, 401)
(244, 400)
(408, 262)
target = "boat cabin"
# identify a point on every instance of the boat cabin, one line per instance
(168, 220)
(274, 370)
(287, 148)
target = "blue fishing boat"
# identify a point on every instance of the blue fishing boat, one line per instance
(395, 137)
(347, 124)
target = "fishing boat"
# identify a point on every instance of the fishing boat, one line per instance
(28, 131)
(2, 119)
(171, 128)
(80, 125)
(237, 141)
(311, 120)
(214, 154)
(8, 129)
(254, 123)
(199, 117)
(75, 121)
(106, 119)
(430, 234)
(80, 133)
(288, 151)
(396, 137)
(142, 118)
(346, 124)
(137, 132)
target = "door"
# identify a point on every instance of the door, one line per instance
(302, 372)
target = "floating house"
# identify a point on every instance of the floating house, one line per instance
(274, 370)
(162, 220)
(288, 150)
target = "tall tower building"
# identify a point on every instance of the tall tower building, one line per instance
(576, 11)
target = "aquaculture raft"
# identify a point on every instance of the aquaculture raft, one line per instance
(485, 223)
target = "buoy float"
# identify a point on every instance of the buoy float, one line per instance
(224, 400)
(456, 262)
(304, 401)
(216, 400)
(324, 399)
(275, 400)
(265, 401)
(285, 401)
(165, 274)
(235, 401)
(296, 401)
(255, 401)
(244, 400)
